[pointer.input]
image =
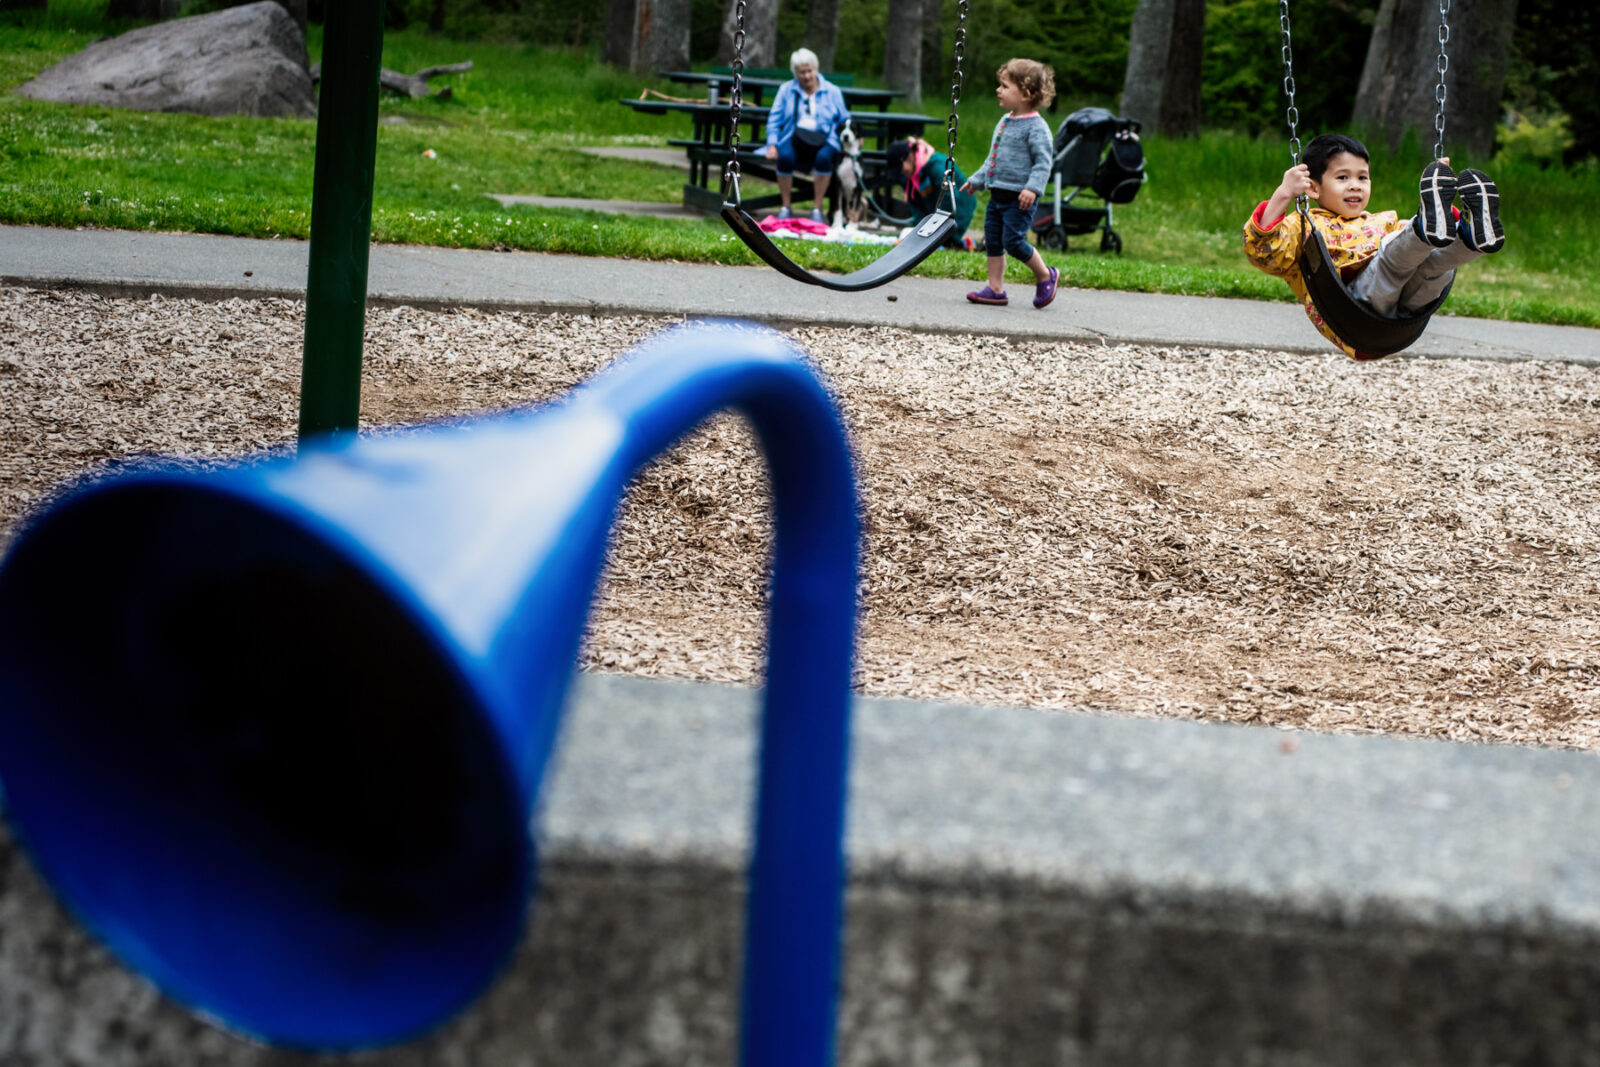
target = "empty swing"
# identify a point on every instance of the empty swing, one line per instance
(1353, 320)
(912, 248)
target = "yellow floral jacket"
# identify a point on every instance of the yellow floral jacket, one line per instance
(1351, 243)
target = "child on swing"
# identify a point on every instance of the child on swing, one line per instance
(1020, 156)
(1396, 265)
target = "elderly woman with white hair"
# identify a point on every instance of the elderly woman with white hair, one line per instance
(803, 127)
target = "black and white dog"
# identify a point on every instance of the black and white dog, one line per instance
(851, 194)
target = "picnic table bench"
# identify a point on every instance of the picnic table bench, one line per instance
(708, 149)
(840, 78)
(754, 88)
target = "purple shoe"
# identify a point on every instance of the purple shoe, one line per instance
(1045, 291)
(987, 295)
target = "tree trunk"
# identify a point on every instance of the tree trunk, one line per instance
(1397, 93)
(144, 9)
(760, 33)
(1180, 104)
(620, 48)
(1162, 86)
(170, 9)
(822, 31)
(902, 49)
(1149, 38)
(933, 47)
(662, 36)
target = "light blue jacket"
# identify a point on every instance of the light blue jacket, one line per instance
(1020, 155)
(828, 100)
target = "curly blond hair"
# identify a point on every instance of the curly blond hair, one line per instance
(1036, 79)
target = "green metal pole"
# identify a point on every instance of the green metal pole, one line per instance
(341, 216)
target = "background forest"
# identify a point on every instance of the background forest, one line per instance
(1551, 99)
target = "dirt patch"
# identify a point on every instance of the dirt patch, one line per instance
(1402, 547)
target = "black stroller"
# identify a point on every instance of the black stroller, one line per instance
(1099, 154)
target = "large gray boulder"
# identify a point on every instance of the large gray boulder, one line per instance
(247, 60)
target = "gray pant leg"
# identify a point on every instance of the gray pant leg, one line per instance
(1434, 274)
(1387, 274)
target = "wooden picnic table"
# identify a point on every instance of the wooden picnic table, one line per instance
(709, 149)
(718, 86)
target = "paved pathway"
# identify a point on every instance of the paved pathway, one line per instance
(137, 263)
(666, 157)
(651, 208)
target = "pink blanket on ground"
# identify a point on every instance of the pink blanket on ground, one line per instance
(773, 224)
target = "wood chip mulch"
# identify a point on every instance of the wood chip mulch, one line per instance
(1406, 547)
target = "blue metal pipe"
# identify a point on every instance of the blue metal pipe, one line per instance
(292, 780)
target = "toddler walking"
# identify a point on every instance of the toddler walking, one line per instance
(1018, 166)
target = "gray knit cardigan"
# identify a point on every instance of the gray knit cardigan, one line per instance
(1020, 155)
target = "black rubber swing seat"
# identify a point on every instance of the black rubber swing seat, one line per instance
(913, 248)
(1355, 323)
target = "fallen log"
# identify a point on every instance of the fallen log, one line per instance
(412, 85)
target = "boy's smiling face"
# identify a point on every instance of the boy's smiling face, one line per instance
(1346, 185)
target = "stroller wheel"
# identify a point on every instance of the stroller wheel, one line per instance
(1111, 242)
(1055, 239)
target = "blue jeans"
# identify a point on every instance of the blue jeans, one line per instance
(792, 156)
(1006, 224)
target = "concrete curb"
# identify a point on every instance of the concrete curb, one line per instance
(1027, 888)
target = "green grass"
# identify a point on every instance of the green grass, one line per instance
(517, 120)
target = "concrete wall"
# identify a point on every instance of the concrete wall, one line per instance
(1027, 888)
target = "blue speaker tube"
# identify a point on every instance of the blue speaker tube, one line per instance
(274, 732)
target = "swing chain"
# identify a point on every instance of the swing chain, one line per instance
(956, 81)
(1438, 92)
(730, 173)
(1293, 113)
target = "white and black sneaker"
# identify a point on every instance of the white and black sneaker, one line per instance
(1438, 188)
(1480, 203)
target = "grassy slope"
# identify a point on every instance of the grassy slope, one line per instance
(517, 120)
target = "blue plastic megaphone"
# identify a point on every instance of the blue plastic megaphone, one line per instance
(275, 732)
